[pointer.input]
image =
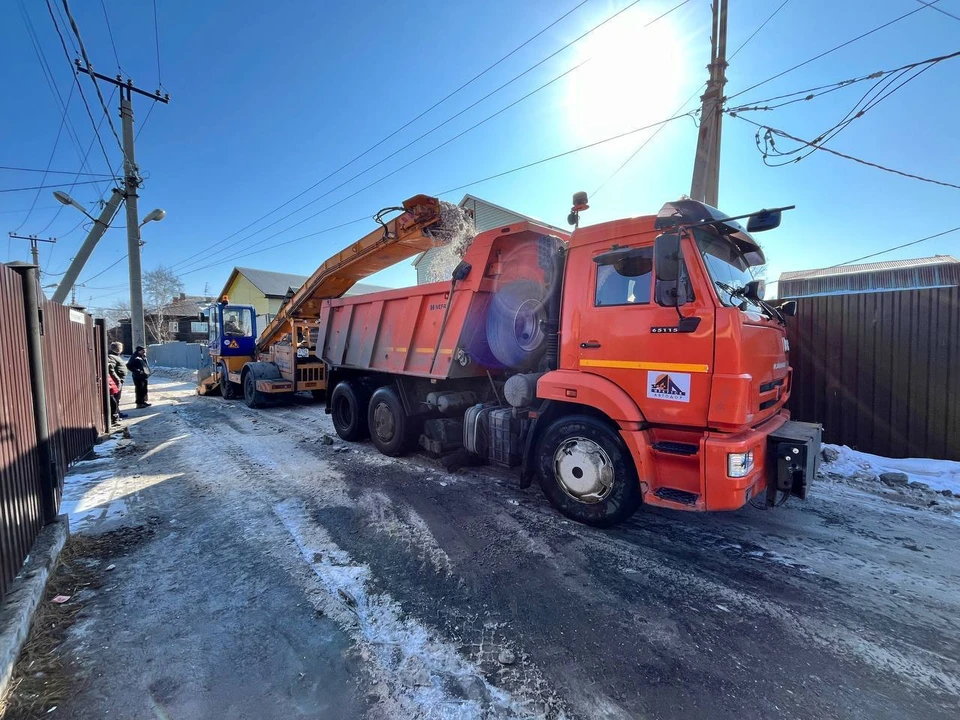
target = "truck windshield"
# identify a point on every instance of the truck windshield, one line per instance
(726, 264)
(237, 322)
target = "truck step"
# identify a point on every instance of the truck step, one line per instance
(676, 448)
(678, 496)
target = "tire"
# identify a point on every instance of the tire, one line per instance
(514, 331)
(253, 397)
(586, 471)
(348, 409)
(388, 422)
(229, 390)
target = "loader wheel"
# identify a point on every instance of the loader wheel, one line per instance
(586, 471)
(229, 390)
(389, 424)
(348, 408)
(253, 397)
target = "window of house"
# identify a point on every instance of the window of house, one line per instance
(626, 282)
(173, 326)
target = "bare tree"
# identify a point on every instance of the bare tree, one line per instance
(161, 286)
(119, 311)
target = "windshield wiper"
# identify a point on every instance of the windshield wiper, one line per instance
(768, 310)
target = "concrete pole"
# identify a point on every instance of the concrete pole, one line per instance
(35, 253)
(131, 182)
(706, 170)
(100, 226)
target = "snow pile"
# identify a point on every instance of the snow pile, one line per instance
(457, 234)
(182, 374)
(939, 475)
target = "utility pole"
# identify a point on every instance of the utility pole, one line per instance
(706, 169)
(34, 248)
(100, 225)
(131, 183)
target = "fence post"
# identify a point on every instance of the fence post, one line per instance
(101, 326)
(33, 321)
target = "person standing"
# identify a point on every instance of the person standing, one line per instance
(140, 367)
(117, 370)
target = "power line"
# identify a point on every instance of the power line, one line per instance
(446, 192)
(818, 146)
(109, 267)
(76, 78)
(113, 44)
(939, 10)
(55, 172)
(831, 50)
(156, 36)
(898, 247)
(86, 60)
(46, 187)
(410, 122)
(755, 32)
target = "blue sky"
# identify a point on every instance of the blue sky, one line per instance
(268, 98)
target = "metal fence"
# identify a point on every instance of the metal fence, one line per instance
(178, 355)
(880, 371)
(71, 355)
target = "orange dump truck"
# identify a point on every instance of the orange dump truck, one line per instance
(631, 361)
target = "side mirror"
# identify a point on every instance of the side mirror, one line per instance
(754, 290)
(763, 220)
(201, 317)
(788, 308)
(666, 257)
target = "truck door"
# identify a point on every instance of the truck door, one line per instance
(662, 360)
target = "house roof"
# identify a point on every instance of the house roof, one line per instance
(275, 284)
(869, 267)
(186, 306)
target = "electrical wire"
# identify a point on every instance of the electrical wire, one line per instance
(109, 267)
(233, 258)
(898, 247)
(83, 96)
(55, 172)
(939, 10)
(46, 187)
(817, 146)
(686, 102)
(113, 44)
(410, 122)
(96, 84)
(417, 159)
(831, 50)
(156, 36)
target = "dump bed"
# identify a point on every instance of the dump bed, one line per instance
(446, 330)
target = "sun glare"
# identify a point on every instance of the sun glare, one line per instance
(633, 76)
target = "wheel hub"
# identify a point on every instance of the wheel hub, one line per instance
(583, 470)
(384, 424)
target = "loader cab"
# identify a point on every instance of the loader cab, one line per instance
(232, 329)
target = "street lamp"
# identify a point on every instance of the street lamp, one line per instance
(154, 216)
(65, 199)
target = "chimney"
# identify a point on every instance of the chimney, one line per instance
(183, 296)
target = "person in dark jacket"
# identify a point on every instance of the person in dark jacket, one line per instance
(140, 367)
(117, 370)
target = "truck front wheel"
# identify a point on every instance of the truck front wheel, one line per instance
(586, 471)
(388, 421)
(348, 410)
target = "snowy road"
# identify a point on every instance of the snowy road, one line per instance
(283, 577)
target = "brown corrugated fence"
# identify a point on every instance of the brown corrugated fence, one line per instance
(73, 375)
(880, 371)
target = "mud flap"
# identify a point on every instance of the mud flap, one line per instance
(793, 458)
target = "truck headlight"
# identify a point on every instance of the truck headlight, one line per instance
(739, 464)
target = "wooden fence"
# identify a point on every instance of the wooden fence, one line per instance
(880, 371)
(74, 380)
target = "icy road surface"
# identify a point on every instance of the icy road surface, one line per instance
(280, 576)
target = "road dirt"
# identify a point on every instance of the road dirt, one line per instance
(289, 575)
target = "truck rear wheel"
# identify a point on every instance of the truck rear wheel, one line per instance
(586, 471)
(229, 390)
(388, 421)
(349, 411)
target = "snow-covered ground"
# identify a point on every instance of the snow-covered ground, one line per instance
(942, 476)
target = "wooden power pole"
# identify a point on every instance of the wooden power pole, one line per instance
(706, 168)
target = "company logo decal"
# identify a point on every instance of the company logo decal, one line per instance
(674, 387)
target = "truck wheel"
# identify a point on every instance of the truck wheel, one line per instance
(514, 329)
(586, 471)
(348, 409)
(229, 390)
(253, 397)
(388, 421)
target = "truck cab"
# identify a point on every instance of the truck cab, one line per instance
(231, 341)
